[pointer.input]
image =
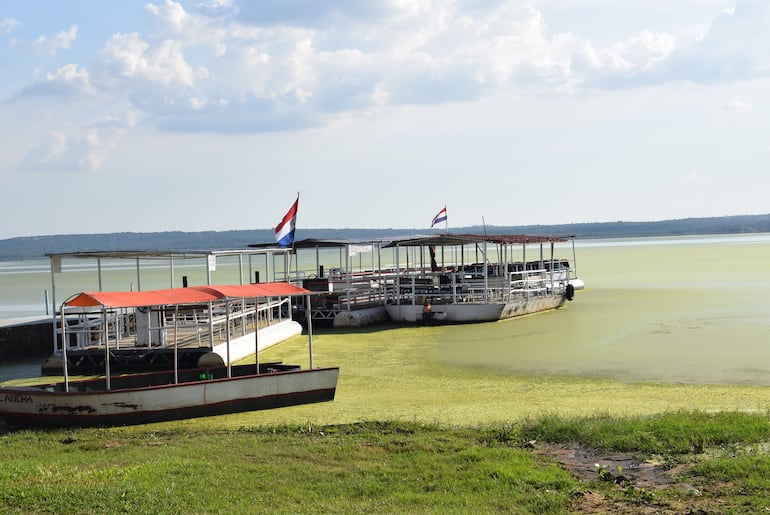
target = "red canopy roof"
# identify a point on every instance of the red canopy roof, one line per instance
(192, 295)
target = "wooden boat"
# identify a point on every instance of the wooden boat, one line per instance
(168, 395)
(155, 397)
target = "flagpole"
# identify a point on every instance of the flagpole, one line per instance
(293, 248)
(446, 222)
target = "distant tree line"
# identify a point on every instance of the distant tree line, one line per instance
(38, 246)
(680, 227)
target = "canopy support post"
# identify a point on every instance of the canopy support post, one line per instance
(256, 334)
(138, 276)
(176, 344)
(309, 315)
(105, 334)
(574, 259)
(227, 335)
(64, 349)
(55, 264)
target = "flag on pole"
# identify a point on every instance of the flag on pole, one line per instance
(284, 231)
(440, 217)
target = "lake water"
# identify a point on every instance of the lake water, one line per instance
(674, 310)
(689, 310)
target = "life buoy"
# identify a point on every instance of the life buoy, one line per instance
(570, 293)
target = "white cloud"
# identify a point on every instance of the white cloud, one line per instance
(217, 8)
(354, 57)
(197, 103)
(692, 178)
(62, 40)
(8, 25)
(736, 47)
(99, 141)
(68, 81)
(646, 49)
(79, 148)
(738, 106)
(251, 67)
(127, 57)
(170, 21)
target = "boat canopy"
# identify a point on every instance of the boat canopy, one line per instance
(465, 239)
(310, 243)
(176, 296)
(164, 254)
(429, 240)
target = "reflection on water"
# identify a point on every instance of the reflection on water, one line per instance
(20, 370)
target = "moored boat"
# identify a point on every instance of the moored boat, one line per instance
(156, 397)
(441, 278)
(142, 337)
(497, 284)
(214, 387)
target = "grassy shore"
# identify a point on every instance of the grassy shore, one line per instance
(668, 463)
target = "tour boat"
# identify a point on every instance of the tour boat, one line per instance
(115, 320)
(441, 278)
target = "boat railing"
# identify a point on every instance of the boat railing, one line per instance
(192, 326)
(88, 329)
(471, 285)
(342, 289)
(243, 317)
(347, 291)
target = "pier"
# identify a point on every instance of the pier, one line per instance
(25, 338)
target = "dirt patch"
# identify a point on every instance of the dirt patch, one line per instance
(618, 467)
(634, 483)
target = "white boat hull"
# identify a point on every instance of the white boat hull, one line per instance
(36, 406)
(473, 312)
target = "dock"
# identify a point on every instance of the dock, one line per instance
(25, 338)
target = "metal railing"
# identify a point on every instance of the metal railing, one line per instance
(197, 325)
(341, 290)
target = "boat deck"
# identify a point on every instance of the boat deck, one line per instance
(160, 328)
(159, 338)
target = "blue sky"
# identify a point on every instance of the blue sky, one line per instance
(212, 115)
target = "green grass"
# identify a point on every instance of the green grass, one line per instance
(675, 433)
(388, 467)
(742, 478)
(382, 467)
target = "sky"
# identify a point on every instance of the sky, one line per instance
(202, 115)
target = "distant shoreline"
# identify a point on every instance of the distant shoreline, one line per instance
(39, 246)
